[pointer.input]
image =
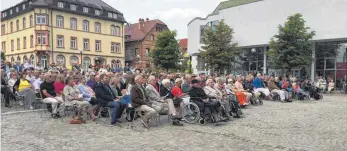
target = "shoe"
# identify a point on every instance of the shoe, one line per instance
(31, 107)
(177, 123)
(8, 106)
(21, 103)
(54, 116)
(58, 115)
(145, 124)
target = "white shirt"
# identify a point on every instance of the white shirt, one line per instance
(37, 84)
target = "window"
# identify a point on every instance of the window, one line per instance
(18, 43)
(73, 43)
(38, 39)
(72, 6)
(60, 60)
(25, 42)
(85, 44)
(73, 23)
(31, 41)
(17, 9)
(136, 51)
(86, 63)
(24, 23)
(117, 31)
(10, 11)
(159, 29)
(60, 42)
(85, 25)
(110, 14)
(23, 6)
(17, 24)
(85, 9)
(31, 20)
(11, 27)
(115, 47)
(113, 30)
(12, 45)
(3, 29)
(3, 46)
(74, 60)
(97, 12)
(114, 15)
(152, 37)
(60, 21)
(97, 45)
(32, 59)
(41, 19)
(147, 51)
(4, 14)
(41, 38)
(97, 27)
(61, 4)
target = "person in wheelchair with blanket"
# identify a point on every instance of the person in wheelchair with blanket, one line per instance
(201, 99)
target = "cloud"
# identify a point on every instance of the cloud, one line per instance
(177, 13)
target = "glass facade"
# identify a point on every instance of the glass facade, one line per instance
(252, 60)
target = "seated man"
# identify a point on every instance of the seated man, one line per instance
(72, 95)
(259, 87)
(199, 97)
(107, 98)
(49, 96)
(160, 102)
(274, 89)
(139, 100)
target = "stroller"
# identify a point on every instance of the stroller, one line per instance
(314, 93)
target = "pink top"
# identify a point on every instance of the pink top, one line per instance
(59, 87)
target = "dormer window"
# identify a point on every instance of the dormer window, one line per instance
(114, 15)
(11, 12)
(97, 12)
(60, 4)
(110, 14)
(4, 14)
(17, 9)
(72, 6)
(85, 9)
(23, 6)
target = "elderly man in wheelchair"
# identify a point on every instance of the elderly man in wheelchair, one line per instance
(209, 108)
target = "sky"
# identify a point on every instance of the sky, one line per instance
(175, 13)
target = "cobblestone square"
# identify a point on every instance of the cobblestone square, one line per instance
(301, 125)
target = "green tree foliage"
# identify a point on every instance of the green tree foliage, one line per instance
(166, 52)
(2, 55)
(219, 49)
(291, 47)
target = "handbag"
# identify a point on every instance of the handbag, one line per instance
(76, 120)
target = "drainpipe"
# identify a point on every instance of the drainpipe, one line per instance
(52, 34)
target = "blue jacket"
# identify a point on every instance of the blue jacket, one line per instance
(257, 83)
(18, 68)
(84, 92)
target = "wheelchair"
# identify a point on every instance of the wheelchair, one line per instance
(193, 114)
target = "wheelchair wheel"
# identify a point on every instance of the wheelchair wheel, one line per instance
(191, 113)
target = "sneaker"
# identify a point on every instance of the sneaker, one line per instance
(21, 103)
(145, 124)
(31, 107)
(54, 116)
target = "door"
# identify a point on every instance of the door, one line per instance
(44, 61)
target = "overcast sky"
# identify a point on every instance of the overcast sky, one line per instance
(175, 13)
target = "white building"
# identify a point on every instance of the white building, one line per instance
(256, 21)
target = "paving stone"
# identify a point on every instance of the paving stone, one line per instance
(297, 126)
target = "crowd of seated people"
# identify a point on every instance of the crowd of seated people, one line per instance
(152, 94)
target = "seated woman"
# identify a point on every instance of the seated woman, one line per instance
(221, 91)
(331, 86)
(59, 84)
(215, 95)
(165, 91)
(297, 89)
(121, 94)
(275, 89)
(87, 92)
(238, 87)
(24, 88)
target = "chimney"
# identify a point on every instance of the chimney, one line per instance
(141, 24)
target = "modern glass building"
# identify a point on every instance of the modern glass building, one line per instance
(255, 22)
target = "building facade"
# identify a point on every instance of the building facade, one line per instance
(255, 22)
(63, 32)
(140, 42)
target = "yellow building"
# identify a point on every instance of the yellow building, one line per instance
(63, 32)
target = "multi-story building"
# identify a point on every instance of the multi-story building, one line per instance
(255, 22)
(63, 32)
(140, 41)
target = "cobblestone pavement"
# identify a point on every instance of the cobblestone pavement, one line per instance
(301, 125)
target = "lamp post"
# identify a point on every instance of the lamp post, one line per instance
(254, 51)
(81, 51)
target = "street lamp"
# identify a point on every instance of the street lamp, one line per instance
(81, 51)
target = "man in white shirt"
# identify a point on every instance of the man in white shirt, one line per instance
(38, 82)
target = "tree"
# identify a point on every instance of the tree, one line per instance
(291, 47)
(166, 51)
(2, 55)
(219, 49)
